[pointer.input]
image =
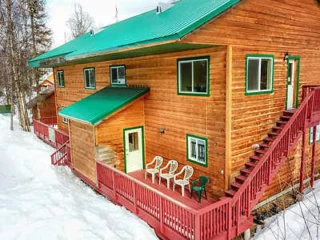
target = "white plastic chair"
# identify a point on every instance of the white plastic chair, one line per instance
(172, 165)
(153, 171)
(188, 171)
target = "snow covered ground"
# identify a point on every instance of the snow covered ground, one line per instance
(39, 201)
(300, 221)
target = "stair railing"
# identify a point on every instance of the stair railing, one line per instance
(61, 157)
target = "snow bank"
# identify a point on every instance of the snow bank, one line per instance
(300, 221)
(39, 201)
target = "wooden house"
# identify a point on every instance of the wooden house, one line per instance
(44, 105)
(228, 87)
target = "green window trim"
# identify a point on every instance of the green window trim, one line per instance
(188, 136)
(61, 84)
(259, 56)
(311, 135)
(180, 60)
(93, 87)
(125, 75)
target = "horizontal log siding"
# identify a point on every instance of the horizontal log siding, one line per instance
(266, 27)
(179, 115)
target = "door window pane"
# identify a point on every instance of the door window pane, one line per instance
(133, 141)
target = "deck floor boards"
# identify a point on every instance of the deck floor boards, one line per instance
(191, 202)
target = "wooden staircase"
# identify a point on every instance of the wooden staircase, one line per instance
(267, 160)
(258, 153)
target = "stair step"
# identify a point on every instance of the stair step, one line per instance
(250, 164)
(282, 123)
(277, 129)
(264, 145)
(273, 134)
(255, 158)
(245, 171)
(260, 151)
(230, 193)
(285, 118)
(268, 139)
(224, 197)
(241, 178)
(288, 113)
(236, 185)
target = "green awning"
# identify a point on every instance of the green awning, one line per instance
(101, 104)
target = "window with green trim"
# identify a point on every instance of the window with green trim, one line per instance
(317, 134)
(193, 76)
(259, 74)
(118, 75)
(197, 149)
(60, 78)
(89, 78)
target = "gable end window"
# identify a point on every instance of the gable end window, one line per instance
(60, 77)
(197, 150)
(118, 75)
(193, 76)
(259, 74)
(89, 78)
(317, 134)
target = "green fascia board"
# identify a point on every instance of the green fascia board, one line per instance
(147, 28)
(94, 108)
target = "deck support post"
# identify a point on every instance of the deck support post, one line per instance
(247, 234)
(302, 160)
(313, 154)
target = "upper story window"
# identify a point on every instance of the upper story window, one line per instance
(193, 76)
(118, 75)
(259, 74)
(60, 77)
(317, 134)
(89, 78)
(197, 149)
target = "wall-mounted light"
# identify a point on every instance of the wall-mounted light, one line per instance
(162, 130)
(286, 56)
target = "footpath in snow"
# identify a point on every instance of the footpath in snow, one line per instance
(39, 201)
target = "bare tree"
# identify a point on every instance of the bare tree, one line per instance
(80, 22)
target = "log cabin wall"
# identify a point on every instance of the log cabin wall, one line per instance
(265, 27)
(110, 132)
(178, 115)
(82, 139)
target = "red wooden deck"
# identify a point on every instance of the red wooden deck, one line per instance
(190, 202)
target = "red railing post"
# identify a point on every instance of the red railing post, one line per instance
(114, 186)
(197, 229)
(313, 154)
(161, 214)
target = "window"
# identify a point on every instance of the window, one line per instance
(193, 76)
(259, 77)
(60, 77)
(65, 120)
(197, 149)
(118, 75)
(89, 78)
(133, 142)
(317, 134)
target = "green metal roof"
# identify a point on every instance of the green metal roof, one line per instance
(147, 28)
(101, 104)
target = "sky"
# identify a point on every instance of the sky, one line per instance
(102, 11)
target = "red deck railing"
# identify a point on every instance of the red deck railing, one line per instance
(62, 157)
(222, 220)
(49, 134)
